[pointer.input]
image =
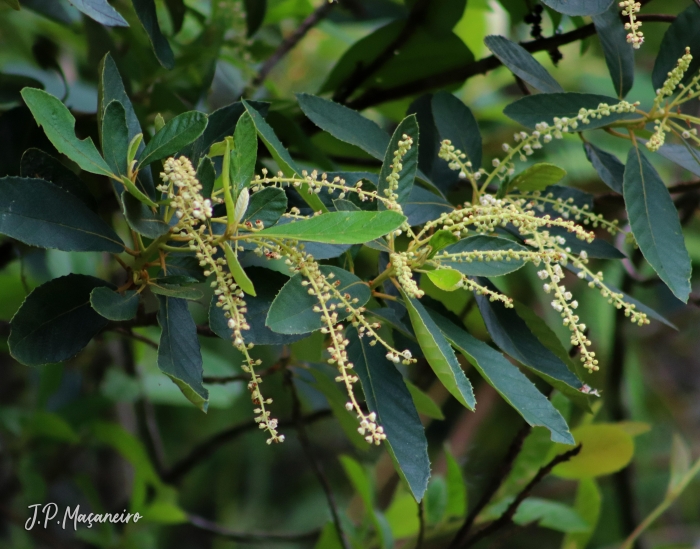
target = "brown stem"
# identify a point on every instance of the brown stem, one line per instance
(222, 380)
(251, 537)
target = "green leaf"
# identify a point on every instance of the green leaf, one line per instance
(146, 12)
(685, 155)
(160, 287)
(550, 514)
(588, 505)
(134, 191)
(38, 213)
(360, 480)
(407, 175)
(266, 206)
(51, 9)
(281, 156)
(402, 516)
(439, 354)
(206, 174)
(39, 165)
(268, 285)
(113, 305)
(141, 217)
(100, 11)
(609, 168)
(111, 88)
(435, 500)
(619, 54)
(292, 310)
(175, 135)
(683, 32)
(56, 321)
(237, 271)
(515, 388)
(606, 448)
(450, 256)
(53, 426)
(423, 403)
(423, 206)
(254, 15)
(244, 154)
(59, 126)
(179, 356)
(339, 227)
(455, 121)
(441, 239)
(11, 85)
(14, 4)
(387, 396)
(655, 224)
(446, 279)
(522, 64)
(533, 109)
(456, 488)
(538, 177)
(680, 463)
(115, 138)
(578, 7)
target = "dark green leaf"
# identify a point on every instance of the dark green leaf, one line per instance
(439, 354)
(655, 224)
(619, 54)
(339, 227)
(39, 165)
(113, 305)
(184, 265)
(515, 388)
(423, 206)
(175, 135)
(409, 126)
(111, 88)
(254, 14)
(146, 12)
(51, 9)
(683, 32)
(179, 356)
(342, 205)
(481, 267)
(38, 213)
(141, 218)
(522, 64)
(268, 285)
(244, 154)
(608, 166)
(59, 126)
(579, 7)
(177, 10)
(206, 174)
(533, 109)
(115, 138)
(387, 396)
(684, 155)
(56, 321)
(455, 121)
(11, 86)
(267, 206)
(100, 11)
(292, 310)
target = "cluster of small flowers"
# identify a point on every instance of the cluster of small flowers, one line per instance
(675, 76)
(530, 256)
(630, 9)
(478, 289)
(181, 174)
(567, 209)
(658, 138)
(393, 178)
(456, 161)
(401, 264)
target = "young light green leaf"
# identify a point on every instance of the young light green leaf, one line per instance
(515, 388)
(610, 170)
(538, 177)
(179, 355)
(281, 156)
(439, 354)
(441, 239)
(680, 463)
(579, 7)
(455, 121)
(266, 206)
(522, 64)
(588, 504)
(655, 224)
(409, 162)
(533, 109)
(38, 213)
(134, 191)
(134, 146)
(423, 403)
(550, 514)
(619, 54)
(241, 205)
(239, 275)
(387, 396)
(113, 305)
(56, 321)
(146, 12)
(456, 488)
(446, 279)
(163, 288)
(100, 11)
(292, 311)
(175, 135)
(339, 227)
(481, 265)
(59, 126)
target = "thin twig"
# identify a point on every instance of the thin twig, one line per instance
(509, 513)
(251, 537)
(313, 460)
(292, 40)
(208, 447)
(223, 380)
(504, 470)
(421, 524)
(138, 337)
